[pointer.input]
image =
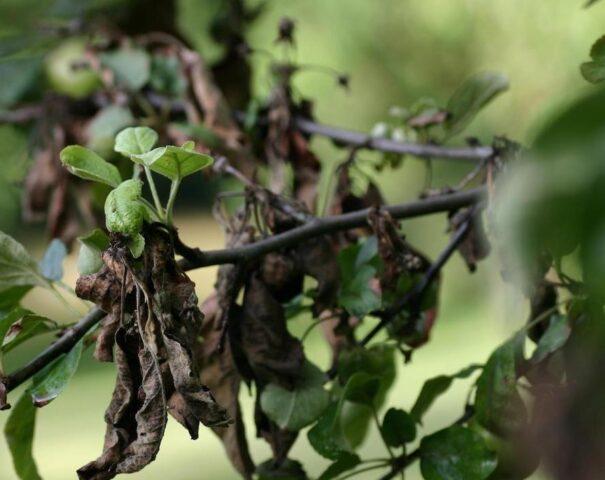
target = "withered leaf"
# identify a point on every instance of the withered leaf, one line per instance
(475, 246)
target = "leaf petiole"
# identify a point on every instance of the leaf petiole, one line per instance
(154, 193)
(174, 188)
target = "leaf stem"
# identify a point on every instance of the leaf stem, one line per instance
(377, 422)
(154, 193)
(362, 470)
(174, 188)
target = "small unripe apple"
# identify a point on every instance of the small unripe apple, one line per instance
(68, 70)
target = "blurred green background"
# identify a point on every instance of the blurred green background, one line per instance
(396, 51)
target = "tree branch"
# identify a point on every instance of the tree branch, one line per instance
(63, 345)
(328, 225)
(198, 259)
(363, 140)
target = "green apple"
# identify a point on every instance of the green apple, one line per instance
(68, 71)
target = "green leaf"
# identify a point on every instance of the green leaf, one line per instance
(51, 381)
(167, 76)
(327, 437)
(471, 97)
(358, 266)
(136, 245)
(297, 408)
(379, 361)
(287, 470)
(593, 72)
(22, 324)
(434, 388)
(456, 453)
(11, 297)
(14, 151)
(104, 126)
(398, 427)
(131, 66)
(85, 163)
(124, 211)
(498, 405)
(91, 249)
(345, 462)
(19, 76)
(553, 339)
(51, 265)
(17, 267)
(174, 162)
(19, 433)
(362, 388)
(135, 141)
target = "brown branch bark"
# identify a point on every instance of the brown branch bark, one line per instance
(315, 228)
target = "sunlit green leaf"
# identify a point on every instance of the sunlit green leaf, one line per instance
(86, 164)
(135, 141)
(50, 382)
(136, 245)
(174, 162)
(17, 267)
(471, 97)
(456, 453)
(51, 265)
(124, 212)
(19, 433)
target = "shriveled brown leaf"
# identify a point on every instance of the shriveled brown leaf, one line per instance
(106, 337)
(475, 246)
(221, 376)
(273, 354)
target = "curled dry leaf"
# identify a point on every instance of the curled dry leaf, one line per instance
(475, 246)
(156, 331)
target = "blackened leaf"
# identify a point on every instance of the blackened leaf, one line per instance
(297, 408)
(498, 405)
(135, 141)
(326, 437)
(174, 162)
(471, 97)
(131, 66)
(456, 453)
(51, 265)
(345, 462)
(362, 388)
(19, 433)
(398, 427)
(85, 163)
(17, 267)
(434, 388)
(554, 338)
(93, 245)
(51, 381)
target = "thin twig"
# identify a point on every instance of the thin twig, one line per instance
(197, 259)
